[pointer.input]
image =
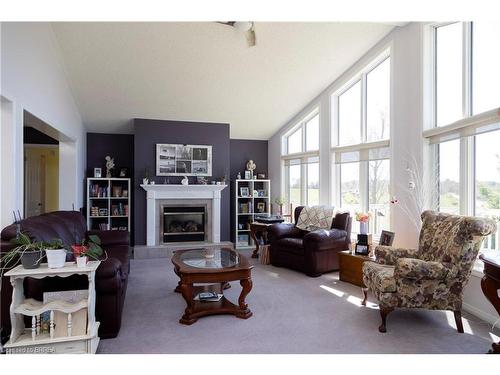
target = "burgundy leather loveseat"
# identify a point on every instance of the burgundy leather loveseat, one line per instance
(111, 276)
(313, 253)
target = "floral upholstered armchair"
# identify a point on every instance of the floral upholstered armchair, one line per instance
(434, 276)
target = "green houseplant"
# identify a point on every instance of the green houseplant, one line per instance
(91, 248)
(29, 252)
(56, 253)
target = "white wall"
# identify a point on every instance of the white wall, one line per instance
(33, 77)
(407, 124)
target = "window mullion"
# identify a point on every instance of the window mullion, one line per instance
(363, 108)
(363, 185)
(303, 181)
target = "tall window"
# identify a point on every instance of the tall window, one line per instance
(361, 124)
(466, 131)
(301, 160)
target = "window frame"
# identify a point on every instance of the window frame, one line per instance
(467, 159)
(364, 145)
(304, 156)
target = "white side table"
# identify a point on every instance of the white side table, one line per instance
(30, 340)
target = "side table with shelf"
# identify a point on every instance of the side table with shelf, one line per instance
(29, 340)
(351, 267)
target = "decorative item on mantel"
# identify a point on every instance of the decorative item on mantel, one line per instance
(185, 181)
(200, 180)
(145, 179)
(110, 164)
(363, 219)
(238, 176)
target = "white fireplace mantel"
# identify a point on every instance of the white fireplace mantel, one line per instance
(182, 192)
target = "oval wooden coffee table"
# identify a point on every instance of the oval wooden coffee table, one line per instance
(216, 266)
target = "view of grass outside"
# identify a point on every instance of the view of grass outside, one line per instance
(488, 181)
(449, 177)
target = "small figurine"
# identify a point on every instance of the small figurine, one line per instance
(110, 164)
(251, 166)
(185, 181)
(238, 176)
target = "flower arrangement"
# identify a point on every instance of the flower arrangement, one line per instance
(363, 217)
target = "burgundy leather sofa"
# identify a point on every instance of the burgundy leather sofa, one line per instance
(313, 253)
(111, 276)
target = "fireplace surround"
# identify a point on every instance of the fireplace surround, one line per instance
(164, 195)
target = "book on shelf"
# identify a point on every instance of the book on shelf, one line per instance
(103, 226)
(97, 191)
(119, 209)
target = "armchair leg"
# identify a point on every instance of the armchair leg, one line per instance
(458, 321)
(365, 296)
(384, 311)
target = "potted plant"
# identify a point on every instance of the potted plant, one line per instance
(56, 253)
(280, 201)
(30, 252)
(91, 249)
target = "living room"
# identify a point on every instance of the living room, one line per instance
(338, 177)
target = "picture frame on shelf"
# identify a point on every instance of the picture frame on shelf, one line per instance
(255, 193)
(261, 207)
(261, 193)
(261, 176)
(244, 192)
(123, 172)
(386, 238)
(97, 172)
(248, 175)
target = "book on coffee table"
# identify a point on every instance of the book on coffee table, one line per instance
(208, 297)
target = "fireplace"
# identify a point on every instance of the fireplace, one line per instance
(184, 223)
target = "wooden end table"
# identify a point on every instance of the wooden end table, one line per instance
(351, 267)
(216, 266)
(261, 226)
(490, 284)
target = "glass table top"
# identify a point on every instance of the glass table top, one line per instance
(213, 258)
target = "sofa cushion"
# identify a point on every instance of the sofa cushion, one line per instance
(291, 245)
(379, 277)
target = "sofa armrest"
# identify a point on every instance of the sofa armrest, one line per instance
(111, 237)
(281, 230)
(418, 269)
(389, 255)
(322, 239)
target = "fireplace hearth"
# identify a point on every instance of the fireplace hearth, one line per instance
(184, 224)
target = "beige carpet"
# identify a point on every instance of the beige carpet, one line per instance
(293, 313)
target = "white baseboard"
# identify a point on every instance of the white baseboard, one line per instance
(487, 317)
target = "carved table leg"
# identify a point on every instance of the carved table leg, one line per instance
(490, 290)
(384, 311)
(253, 234)
(178, 287)
(365, 296)
(187, 294)
(458, 321)
(246, 287)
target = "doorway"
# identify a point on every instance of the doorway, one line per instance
(41, 167)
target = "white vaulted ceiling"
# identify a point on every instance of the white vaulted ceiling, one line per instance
(204, 71)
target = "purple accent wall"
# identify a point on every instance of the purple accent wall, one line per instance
(147, 133)
(138, 151)
(118, 146)
(243, 150)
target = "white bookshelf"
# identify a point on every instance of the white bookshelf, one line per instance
(246, 208)
(108, 196)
